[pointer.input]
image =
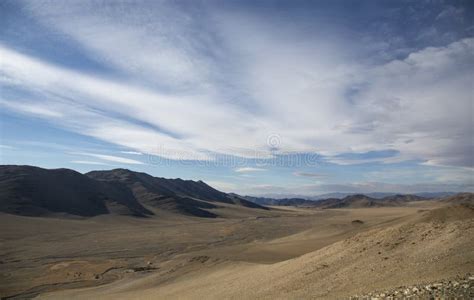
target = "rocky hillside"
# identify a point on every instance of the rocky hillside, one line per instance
(459, 287)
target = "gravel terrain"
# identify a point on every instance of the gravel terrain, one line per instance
(461, 287)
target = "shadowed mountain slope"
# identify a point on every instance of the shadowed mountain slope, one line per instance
(33, 191)
(155, 191)
(159, 193)
(161, 186)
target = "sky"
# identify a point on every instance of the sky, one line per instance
(253, 97)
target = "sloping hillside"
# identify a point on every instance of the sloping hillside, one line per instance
(185, 196)
(161, 186)
(461, 198)
(424, 247)
(34, 191)
(431, 246)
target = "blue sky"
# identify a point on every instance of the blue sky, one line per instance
(254, 97)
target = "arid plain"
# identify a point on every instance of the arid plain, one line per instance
(284, 252)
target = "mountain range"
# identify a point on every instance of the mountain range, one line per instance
(34, 191)
(340, 195)
(350, 201)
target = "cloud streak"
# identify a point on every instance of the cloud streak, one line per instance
(311, 175)
(111, 158)
(203, 81)
(248, 170)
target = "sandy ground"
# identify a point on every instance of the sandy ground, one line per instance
(282, 253)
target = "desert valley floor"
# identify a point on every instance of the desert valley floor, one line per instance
(284, 252)
(237, 149)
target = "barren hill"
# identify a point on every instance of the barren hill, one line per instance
(179, 195)
(353, 201)
(33, 191)
(278, 202)
(466, 198)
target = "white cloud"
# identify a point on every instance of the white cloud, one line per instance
(371, 187)
(451, 12)
(441, 175)
(131, 152)
(347, 162)
(111, 158)
(31, 108)
(155, 42)
(309, 174)
(427, 99)
(92, 97)
(248, 169)
(308, 91)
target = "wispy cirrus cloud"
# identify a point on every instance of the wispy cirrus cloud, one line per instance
(373, 126)
(131, 152)
(249, 170)
(311, 175)
(111, 158)
(30, 108)
(195, 82)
